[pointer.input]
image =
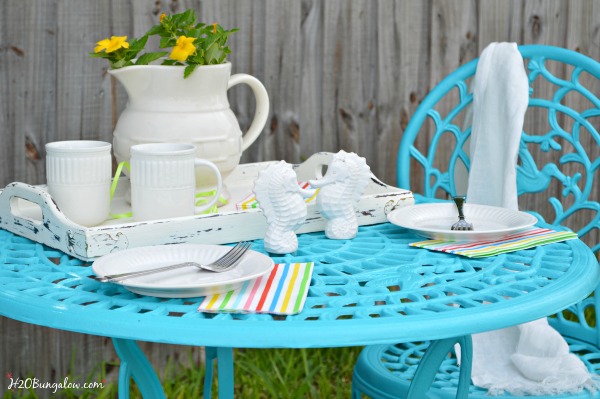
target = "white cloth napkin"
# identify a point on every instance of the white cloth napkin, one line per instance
(529, 359)
(500, 98)
(532, 358)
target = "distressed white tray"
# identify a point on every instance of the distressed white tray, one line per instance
(29, 211)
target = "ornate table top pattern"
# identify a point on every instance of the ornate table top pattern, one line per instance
(372, 289)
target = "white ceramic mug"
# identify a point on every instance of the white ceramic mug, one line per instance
(163, 183)
(78, 174)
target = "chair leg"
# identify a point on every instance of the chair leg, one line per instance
(431, 361)
(466, 365)
(124, 378)
(135, 364)
(356, 394)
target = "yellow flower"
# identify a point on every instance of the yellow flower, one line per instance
(215, 27)
(162, 16)
(183, 49)
(112, 44)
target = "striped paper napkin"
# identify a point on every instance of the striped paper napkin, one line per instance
(514, 242)
(283, 291)
(250, 201)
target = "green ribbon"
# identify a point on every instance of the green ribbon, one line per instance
(113, 188)
(201, 199)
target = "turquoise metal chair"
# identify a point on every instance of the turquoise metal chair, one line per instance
(559, 159)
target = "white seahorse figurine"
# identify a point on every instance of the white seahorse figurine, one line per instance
(282, 202)
(346, 179)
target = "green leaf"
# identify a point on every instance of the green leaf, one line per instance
(175, 18)
(138, 44)
(119, 64)
(185, 18)
(194, 33)
(147, 58)
(188, 17)
(156, 30)
(101, 54)
(188, 70)
(167, 42)
(195, 58)
(209, 42)
(171, 62)
(199, 57)
(213, 53)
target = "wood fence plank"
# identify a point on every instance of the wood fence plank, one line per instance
(76, 19)
(349, 78)
(248, 56)
(403, 75)
(331, 70)
(30, 55)
(6, 132)
(311, 88)
(499, 21)
(282, 76)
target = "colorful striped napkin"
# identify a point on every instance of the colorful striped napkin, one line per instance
(283, 291)
(249, 202)
(514, 242)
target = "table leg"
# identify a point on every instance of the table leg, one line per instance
(135, 364)
(431, 361)
(210, 354)
(224, 357)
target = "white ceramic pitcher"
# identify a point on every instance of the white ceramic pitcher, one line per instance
(165, 107)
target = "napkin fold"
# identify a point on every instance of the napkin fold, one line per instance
(532, 358)
(500, 99)
(282, 292)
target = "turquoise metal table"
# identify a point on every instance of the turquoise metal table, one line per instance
(369, 290)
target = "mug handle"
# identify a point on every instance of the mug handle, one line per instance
(209, 164)
(262, 106)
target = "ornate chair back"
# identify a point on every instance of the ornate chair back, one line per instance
(558, 172)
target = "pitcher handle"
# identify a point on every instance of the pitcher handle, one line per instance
(262, 106)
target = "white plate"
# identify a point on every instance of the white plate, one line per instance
(434, 221)
(185, 282)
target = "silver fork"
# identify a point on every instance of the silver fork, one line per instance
(226, 262)
(462, 224)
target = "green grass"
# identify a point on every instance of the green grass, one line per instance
(300, 373)
(259, 373)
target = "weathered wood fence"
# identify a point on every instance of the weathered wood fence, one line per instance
(340, 75)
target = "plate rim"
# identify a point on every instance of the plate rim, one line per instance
(148, 286)
(465, 233)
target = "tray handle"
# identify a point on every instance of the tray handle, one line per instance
(33, 194)
(313, 167)
(53, 229)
